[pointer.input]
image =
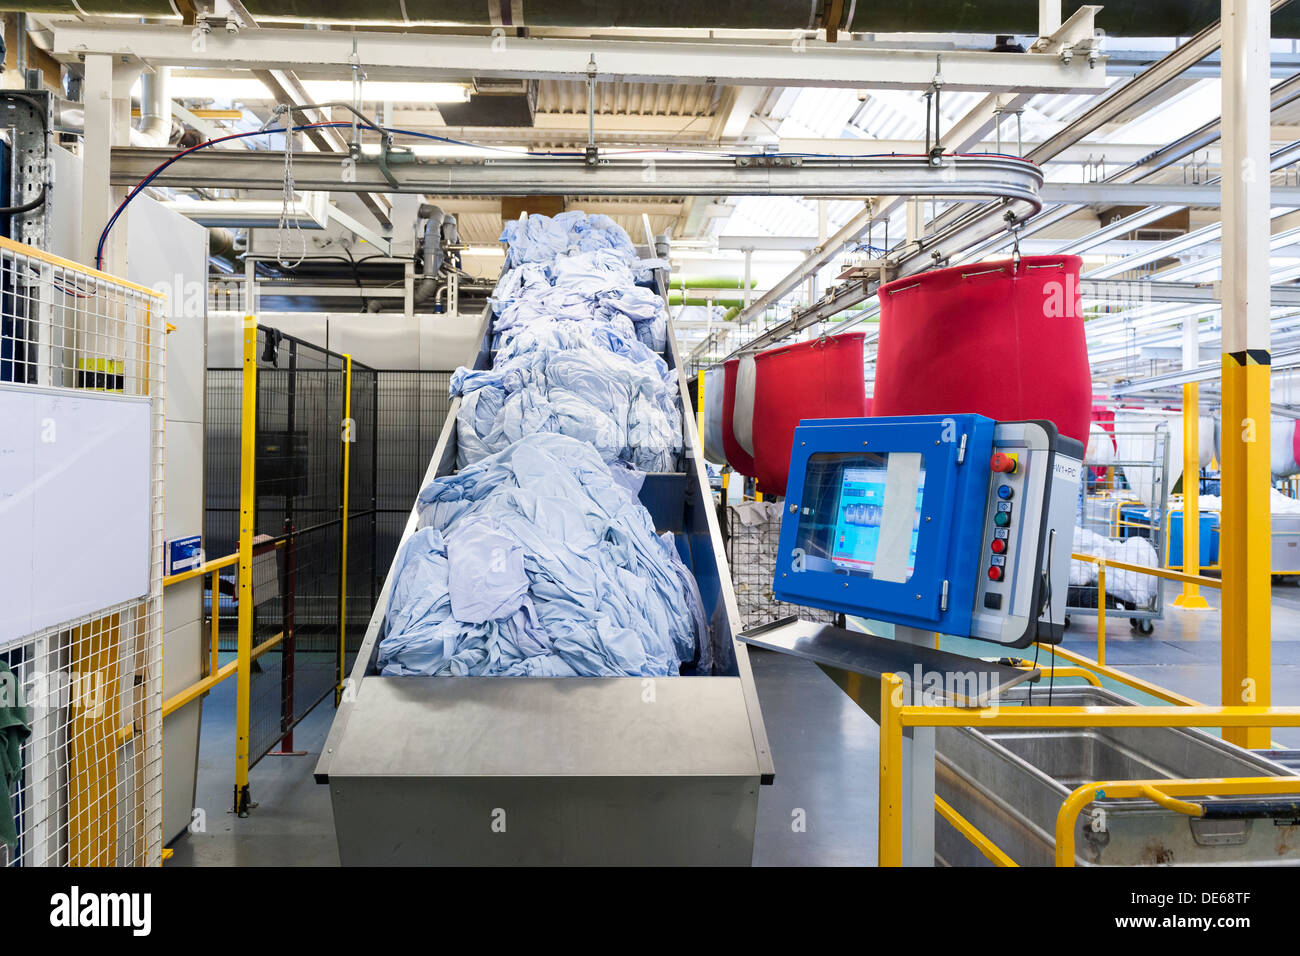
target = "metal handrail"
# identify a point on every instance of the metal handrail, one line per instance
(1163, 792)
(991, 850)
(895, 716)
(1154, 572)
(1104, 563)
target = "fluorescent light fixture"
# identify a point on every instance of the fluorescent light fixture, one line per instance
(388, 91)
(185, 85)
(307, 212)
(498, 251)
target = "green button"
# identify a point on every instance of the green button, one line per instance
(1002, 519)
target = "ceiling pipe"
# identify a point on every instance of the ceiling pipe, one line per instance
(1127, 18)
(155, 127)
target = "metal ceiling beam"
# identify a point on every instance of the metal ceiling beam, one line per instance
(1280, 360)
(430, 56)
(1126, 97)
(1187, 55)
(1152, 194)
(1156, 291)
(1281, 96)
(976, 176)
(971, 128)
(1129, 95)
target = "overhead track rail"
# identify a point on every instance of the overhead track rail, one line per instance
(1012, 182)
(959, 220)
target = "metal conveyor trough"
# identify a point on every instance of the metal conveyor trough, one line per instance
(447, 770)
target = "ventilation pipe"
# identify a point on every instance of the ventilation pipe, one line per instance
(155, 127)
(435, 228)
(225, 246)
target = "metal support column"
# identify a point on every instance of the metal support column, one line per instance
(1191, 599)
(889, 837)
(1244, 537)
(699, 406)
(247, 514)
(97, 143)
(917, 773)
(348, 436)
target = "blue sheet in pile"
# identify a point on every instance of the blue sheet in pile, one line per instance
(539, 562)
(536, 559)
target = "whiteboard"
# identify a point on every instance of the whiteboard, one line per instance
(74, 505)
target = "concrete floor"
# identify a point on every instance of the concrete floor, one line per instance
(820, 811)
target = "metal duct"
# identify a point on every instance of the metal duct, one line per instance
(431, 220)
(155, 127)
(1130, 18)
(224, 245)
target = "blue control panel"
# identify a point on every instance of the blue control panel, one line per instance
(955, 523)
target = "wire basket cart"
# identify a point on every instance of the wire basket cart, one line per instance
(1125, 499)
(753, 531)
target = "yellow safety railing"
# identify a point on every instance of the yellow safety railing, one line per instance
(1128, 680)
(210, 569)
(215, 672)
(895, 716)
(242, 560)
(972, 833)
(1165, 793)
(1104, 563)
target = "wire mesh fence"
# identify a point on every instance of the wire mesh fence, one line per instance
(307, 408)
(81, 698)
(412, 408)
(753, 532)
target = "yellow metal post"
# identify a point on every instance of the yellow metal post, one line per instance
(348, 435)
(247, 516)
(1191, 598)
(1101, 612)
(890, 836)
(214, 648)
(699, 409)
(1245, 521)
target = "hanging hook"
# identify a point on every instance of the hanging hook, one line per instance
(591, 156)
(1014, 228)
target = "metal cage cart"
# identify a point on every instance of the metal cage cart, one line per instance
(753, 530)
(1128, 498)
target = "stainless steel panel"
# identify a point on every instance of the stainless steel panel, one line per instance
(1010, 783)
(1285, 544)
(547, 820)
(501, 726)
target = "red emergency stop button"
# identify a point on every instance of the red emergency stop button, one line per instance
(998, 546)
(995, 573)
(1003, 463)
